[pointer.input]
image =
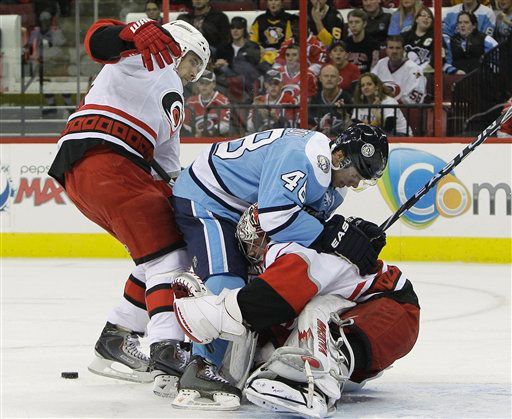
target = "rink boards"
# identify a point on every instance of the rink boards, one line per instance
(466, 217)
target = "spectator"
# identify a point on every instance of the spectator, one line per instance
(240, 57)
(464, 49)
(273, 116)
(325, 22)
(153, 11)
(271, 28)
(315, 49)
(378, 21)
(362, 49)
(403, 18)
(213, 24)
(404, 76)
(328, 117)
(349, 72)
(45, 42)
(371, 91)
(503, 21)
(199, 119)
(485, 16)
(290, 72)
(419, 41)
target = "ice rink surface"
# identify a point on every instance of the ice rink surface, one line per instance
(53, 312)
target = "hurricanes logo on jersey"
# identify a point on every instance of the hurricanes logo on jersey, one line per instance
(172, 104)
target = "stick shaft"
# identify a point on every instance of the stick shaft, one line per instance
(484, 135)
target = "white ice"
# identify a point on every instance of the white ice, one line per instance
(54, 310)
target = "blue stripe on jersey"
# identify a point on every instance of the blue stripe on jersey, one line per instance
(214, 239)
(211, 194)
(284, 225)
(278, 208)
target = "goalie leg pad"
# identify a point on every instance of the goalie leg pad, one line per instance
(281, 397)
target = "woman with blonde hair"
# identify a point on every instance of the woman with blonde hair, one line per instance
(403, 18)
(371, 91)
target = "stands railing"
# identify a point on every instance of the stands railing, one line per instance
(478, 97)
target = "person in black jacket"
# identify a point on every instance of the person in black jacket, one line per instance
(213, 24)
(238, 57)
(464, 49)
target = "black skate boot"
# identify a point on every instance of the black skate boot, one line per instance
(118, 355)
(203, 387)
(167, 362)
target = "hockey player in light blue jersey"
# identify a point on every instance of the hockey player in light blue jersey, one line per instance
(485, 16)
(298, 177)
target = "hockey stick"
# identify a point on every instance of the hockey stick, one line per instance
(484, 135)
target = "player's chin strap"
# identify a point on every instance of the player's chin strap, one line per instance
(306, 376)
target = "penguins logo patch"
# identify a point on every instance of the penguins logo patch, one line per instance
(367, 150)
(172, 104)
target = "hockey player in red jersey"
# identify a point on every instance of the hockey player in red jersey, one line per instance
(216, 121)
(130, 118)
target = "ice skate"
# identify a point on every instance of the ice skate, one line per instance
(118, 355)
(203, 387)
(168, 361)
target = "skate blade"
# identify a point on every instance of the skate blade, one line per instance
(191, 399)
(270, 394)
(165, 385)
(113, 369)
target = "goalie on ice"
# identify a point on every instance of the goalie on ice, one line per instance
(349, 327)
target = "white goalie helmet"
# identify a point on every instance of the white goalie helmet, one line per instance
(253, 240)
(190, 39)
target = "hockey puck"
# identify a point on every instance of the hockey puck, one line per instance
(69, 374)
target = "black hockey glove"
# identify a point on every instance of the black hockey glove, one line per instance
(376, 235)
(345, 239)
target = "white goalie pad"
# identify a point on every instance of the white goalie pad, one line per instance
(238, 360)
(306, 376)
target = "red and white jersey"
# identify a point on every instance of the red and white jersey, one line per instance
(407, 81)
(291, 83)
(217, 119)
(136, 109)
(330, 274)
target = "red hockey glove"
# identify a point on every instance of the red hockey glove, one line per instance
(151, 40)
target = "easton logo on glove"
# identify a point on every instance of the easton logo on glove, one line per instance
(151, 41)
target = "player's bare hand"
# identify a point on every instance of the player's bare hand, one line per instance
(151, 41)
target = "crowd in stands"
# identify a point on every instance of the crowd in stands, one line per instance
(366, 68)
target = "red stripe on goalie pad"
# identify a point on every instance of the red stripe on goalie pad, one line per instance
(297, 292)
(388, 330)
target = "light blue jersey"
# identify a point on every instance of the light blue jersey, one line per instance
(286, 171)
(485, 17)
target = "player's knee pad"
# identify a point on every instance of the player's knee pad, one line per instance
(384, 330)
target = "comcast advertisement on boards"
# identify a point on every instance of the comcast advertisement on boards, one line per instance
(474, 200)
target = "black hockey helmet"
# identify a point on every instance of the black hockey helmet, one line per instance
(365, 147)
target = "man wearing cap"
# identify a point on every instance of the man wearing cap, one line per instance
(349, 72)
(213, 24)
(199, 119)
(273, 115)
(239, 57)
